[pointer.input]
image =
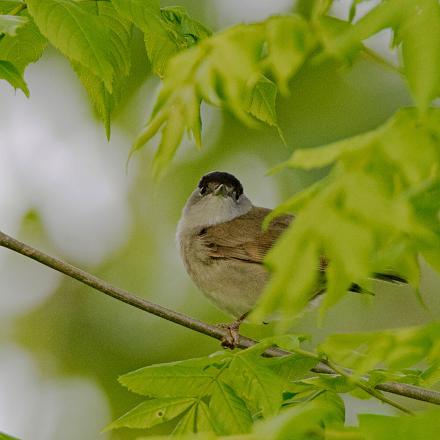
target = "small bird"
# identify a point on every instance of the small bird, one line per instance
(223, 245)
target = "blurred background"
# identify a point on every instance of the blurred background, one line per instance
(64, 189)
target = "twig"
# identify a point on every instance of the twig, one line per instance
(213, 331)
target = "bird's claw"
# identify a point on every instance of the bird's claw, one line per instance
(232, 336)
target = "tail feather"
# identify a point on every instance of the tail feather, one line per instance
(390, 277)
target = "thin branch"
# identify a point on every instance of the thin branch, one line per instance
(213, 331)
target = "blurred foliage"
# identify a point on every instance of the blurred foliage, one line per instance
(377, 209)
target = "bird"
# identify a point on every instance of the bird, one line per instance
(223, 245)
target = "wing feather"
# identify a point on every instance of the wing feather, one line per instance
(243, 237)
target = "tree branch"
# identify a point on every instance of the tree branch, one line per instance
(213, 331)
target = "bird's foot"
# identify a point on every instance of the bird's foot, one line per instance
(232, 336)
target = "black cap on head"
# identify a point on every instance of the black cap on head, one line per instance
(221, 177)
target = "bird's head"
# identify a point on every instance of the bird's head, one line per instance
(217, 198)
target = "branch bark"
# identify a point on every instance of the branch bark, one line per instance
(410, 391)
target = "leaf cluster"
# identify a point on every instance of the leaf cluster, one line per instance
(223, 393)
(96, 37)
(248, 395)
(380, 204)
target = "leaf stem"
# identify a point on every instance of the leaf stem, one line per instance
(359, 382)
(410, 391)
(374, 56)
(18, 9)
(362, 384)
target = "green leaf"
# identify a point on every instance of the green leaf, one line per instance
(197, 419)
(422, 426)
(289, 41)
(288, 289)
(293, 367)
(171, 136)
(10, 23)
(176, 379)
(4, 436)
(11, 74)
(153, 412)
(188, 422)
(322, 156)
(229, 411)
(257, 384)
(25, 47)
(140, 12)
(176, 31)
(119, 31)
(416, 24)
(380, 203)
(80, 35)
(331, 382)
(420, 34)
(167, 31)
(229, 70)
(205, 421)
(299, 422)
(262, 101)
(397, 349)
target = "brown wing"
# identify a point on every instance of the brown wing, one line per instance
(243, 237)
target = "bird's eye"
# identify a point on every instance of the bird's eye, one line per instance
(203, 190)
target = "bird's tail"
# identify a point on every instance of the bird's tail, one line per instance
(390, 277)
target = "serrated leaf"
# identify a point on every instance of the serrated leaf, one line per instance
(205, 421)
(176, 379)
(416, 24)
(167, 31)
(119, 31)
(422, 426)
(300, 421)
(262, 101)
(322, 156)
(197, 419)
(10, 23)
(223, 70)
(11, 74)
(420, 34)
(89, 44)
(177, 31)
(289, 41)
(26, 47)
(258, 384)
(380, 203)
(138, 11)
(331, 382)
(292, 368)
(187, 423)
(172, 134)
(153, 412)
(288, 289)
(229, 411)
(397, 349)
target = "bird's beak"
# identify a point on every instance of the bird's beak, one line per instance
(221, 190)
